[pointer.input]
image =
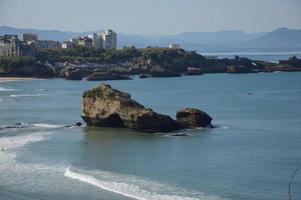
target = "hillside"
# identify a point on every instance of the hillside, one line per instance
(282, 37)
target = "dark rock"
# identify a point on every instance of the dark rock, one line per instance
(292, 61)
(192, 118)
(78, 124)
(179, 134)
(105, 76)
(120, 71)
(37, 70)
(104, 106)
(143, 76)
(17, 125)
(194, 71)
(239, 69)
(222, 69)
(136, 70)
(160, 72)
(73, 73)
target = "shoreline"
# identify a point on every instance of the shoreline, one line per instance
(13, 79)
(10, 79)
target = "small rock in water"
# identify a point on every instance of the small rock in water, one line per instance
(143, 76)
(180, 134)
(78, 124)
(193, 118)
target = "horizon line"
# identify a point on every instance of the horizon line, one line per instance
(233, 30)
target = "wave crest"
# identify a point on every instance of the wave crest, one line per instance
(27, 95)
(2, 89)
(136, 191)
(17, 141)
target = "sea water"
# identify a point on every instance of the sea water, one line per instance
(250, 155)
(270, 56)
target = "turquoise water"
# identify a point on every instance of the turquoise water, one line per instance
(250, 156)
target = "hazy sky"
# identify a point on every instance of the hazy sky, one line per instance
(152, 16)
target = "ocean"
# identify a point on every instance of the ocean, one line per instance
(249, 156)
(269, 56)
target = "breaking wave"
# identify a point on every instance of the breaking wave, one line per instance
(139, 189)
(27, 95)
(12, 142)
(47, 125)
(2, 89)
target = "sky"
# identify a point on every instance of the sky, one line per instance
(159, 17)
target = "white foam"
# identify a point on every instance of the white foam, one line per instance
(136, 191)
(46, 125)
(27, 95)
(224, 127)
(8, 143)
(2, 89)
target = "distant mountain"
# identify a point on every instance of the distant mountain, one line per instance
(191, 39)
(282, 37)
(200, 41)
(218, 38)
(43, 34)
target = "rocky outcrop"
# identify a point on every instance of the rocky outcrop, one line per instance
(192, 118)
(240, 69)
(72, 73)
(108, 107)
(35, 70)
(194, 71)
(105, 106)
(143, 76)
(106, 76)
(160, 72)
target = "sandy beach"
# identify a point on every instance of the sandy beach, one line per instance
(9, 79)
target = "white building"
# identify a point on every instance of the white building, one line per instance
(174, 46)
(67, 45)
(105, 40)
(97, 40)
(9, 45)
(109, 38)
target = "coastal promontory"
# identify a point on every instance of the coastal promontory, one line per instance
(107, 107)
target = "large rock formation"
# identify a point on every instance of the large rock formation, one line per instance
(108, 107)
